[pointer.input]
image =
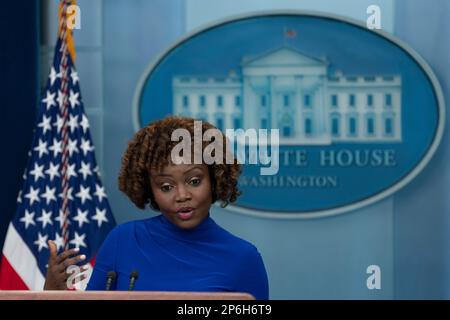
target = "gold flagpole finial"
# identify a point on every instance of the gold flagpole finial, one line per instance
(64, 32)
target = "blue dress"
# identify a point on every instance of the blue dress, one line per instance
(168, 258)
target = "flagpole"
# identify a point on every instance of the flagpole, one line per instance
(64, 112)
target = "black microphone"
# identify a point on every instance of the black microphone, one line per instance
(133, 277)
(110, 278)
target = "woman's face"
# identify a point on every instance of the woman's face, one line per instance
(183, 193)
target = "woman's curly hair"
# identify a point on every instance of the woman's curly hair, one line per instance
(151, 148)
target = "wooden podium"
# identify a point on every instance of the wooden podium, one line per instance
(122, 295)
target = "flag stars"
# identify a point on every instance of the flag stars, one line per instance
(59, 241)
(41, 148)
(58, 123)
(86, 146)
(32, 195)
(71, 171)
(78, 241)
(72, 146)
(100, 216)
(99, 192)
(74, 76)
(49, 100)
(37, 172)
(45, 218)
(56, 147)
(28, 219)
(52, 171)
(73, 99)
(69, 194)
(85, 169)
(60, 99)
(45, 124)
(84, 194)
(73, 123)
(81, 217)
(41, 241)
(84, 123)
(53, 75)
(49, 194)
(60, 219)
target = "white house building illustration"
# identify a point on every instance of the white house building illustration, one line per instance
(285, 89)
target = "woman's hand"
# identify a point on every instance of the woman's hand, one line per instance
(57, 275)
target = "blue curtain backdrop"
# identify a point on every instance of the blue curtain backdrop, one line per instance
(422, 209)
(18, 97)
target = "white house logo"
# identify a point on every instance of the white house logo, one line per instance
(359, 114)
(287, 90)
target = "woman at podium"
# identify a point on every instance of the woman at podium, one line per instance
(183, 248)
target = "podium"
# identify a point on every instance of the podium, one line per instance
(122, 295)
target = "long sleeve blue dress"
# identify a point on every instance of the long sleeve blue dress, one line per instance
(169, 258)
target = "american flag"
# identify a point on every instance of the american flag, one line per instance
(290, 33)
(61, 177)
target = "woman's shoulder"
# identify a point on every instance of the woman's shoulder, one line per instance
(128, 227)
(243, 246)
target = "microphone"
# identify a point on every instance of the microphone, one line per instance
(110, 278)
(133, 278)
